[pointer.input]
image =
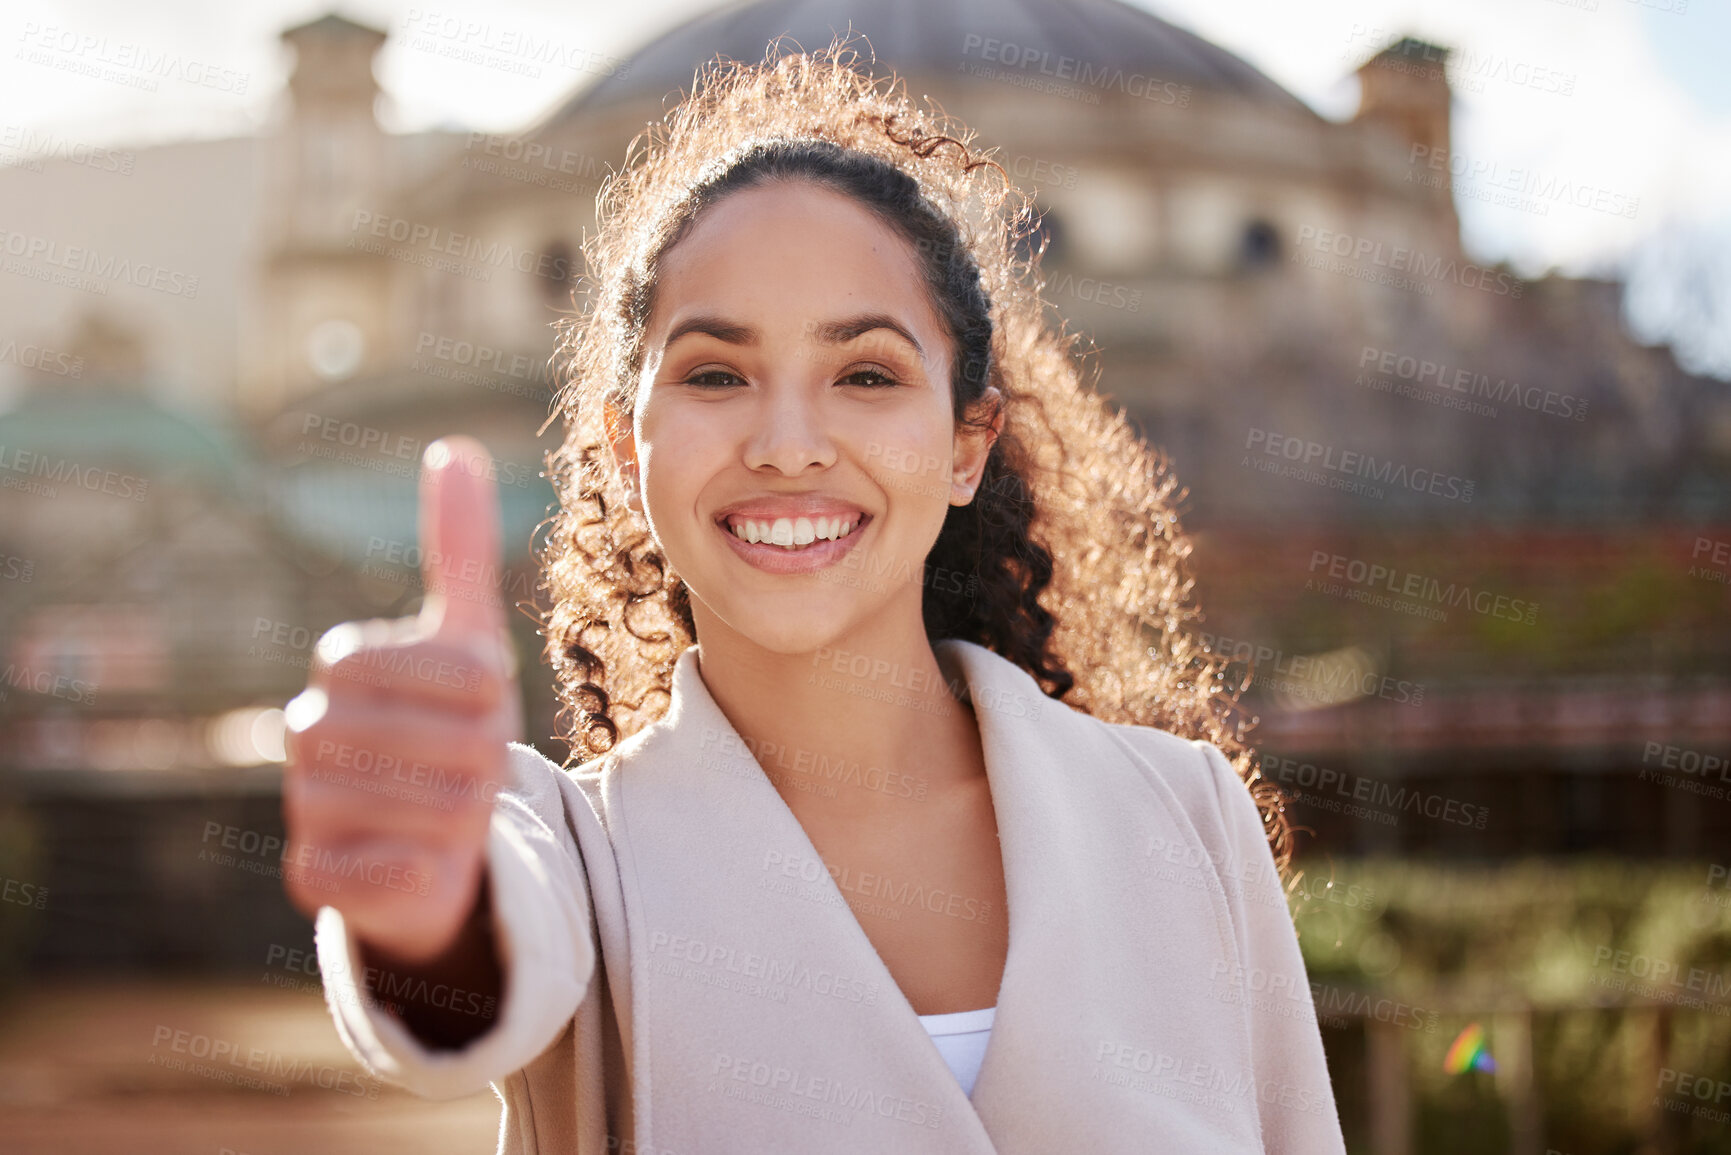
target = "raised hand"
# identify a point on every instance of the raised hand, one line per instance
(397, 748)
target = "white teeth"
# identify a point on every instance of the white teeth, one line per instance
(793, 533)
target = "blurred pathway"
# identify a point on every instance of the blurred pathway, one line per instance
(145, 1068)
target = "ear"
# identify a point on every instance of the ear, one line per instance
(622, 441)
(974, 444)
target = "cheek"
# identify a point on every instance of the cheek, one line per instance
(681, 453)
(910, 461)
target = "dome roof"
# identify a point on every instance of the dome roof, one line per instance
(933, 36)
(123, 429)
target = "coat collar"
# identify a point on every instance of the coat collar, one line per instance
(754, 982)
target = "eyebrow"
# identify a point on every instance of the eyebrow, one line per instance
(835, 332)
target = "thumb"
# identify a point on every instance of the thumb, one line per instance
(459, 531)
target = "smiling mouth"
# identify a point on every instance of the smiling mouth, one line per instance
(793, 533)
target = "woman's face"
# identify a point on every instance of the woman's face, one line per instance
(795, 388)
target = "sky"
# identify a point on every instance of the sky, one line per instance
(1630, 99)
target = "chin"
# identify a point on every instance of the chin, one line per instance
(783, 624)
(790, 632)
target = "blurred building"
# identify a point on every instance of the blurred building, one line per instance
(1390, 444)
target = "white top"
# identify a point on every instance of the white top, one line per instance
(961, 1039)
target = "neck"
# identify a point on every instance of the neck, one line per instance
(864, 727)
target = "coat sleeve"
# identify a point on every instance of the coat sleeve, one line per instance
(541, 923)
(1295, 1097)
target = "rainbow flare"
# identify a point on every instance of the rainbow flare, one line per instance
(1468, 1052)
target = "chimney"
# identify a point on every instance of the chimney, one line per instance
(1404, 90)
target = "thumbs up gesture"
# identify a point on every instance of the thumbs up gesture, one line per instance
(397, 747)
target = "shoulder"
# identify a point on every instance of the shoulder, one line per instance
(1189, 767)
(534, 776)
(555, 794)
(1196, 775)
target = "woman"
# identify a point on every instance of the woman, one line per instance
(906, 816)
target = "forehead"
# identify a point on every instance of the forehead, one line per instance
(783, 252)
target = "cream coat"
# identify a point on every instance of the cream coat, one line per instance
(685, 976)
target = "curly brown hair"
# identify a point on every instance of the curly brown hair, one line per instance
(1073, 536)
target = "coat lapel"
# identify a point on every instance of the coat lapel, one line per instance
(1109, 1019)
(755, 984)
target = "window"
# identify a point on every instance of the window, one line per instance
(1260, 245)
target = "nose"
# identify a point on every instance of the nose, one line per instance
(790, 436)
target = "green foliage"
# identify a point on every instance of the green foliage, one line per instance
(1616, 959)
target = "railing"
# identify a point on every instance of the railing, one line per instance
(1661, 1098)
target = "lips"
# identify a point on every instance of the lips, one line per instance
(792, 535)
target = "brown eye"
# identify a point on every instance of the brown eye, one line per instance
(708, 379)
(872, 379)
